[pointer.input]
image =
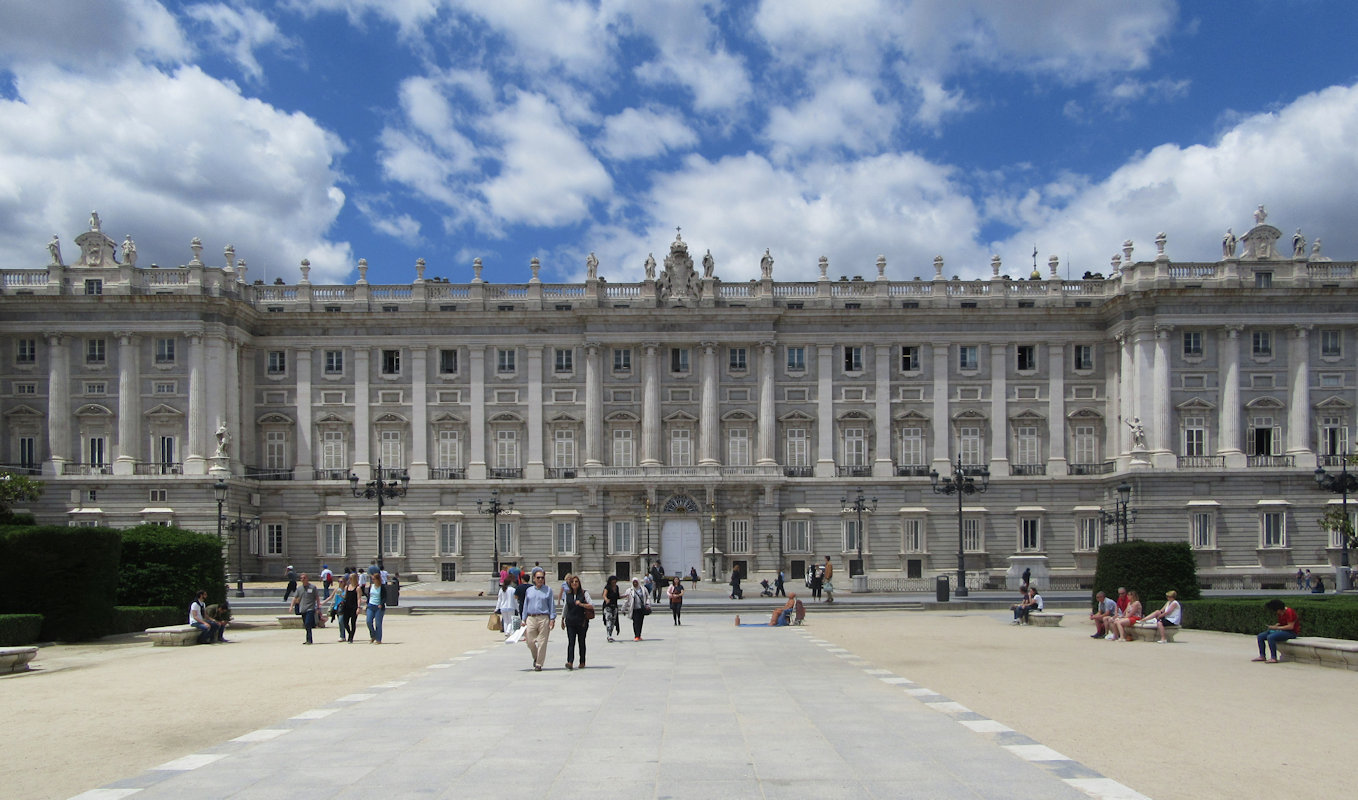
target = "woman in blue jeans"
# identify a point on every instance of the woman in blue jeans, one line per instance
(1287, 627)
(377, 607)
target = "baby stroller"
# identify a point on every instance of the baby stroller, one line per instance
(766, 588)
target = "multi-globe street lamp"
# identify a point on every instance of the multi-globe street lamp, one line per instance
(494, 507)
(962, 482)
(1119, 517)
(240, 526)
(1341, 484)
(858, 505)
(381, 491)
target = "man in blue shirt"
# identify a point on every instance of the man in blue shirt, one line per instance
(539, 615)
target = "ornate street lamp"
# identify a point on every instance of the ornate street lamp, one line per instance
(858, 505)
(960, 484)
(1119, 517)
(239, 526)
(712, 551)
(495, 508)
(381, 491)
(1341, 485)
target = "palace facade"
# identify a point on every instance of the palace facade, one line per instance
(760, 424)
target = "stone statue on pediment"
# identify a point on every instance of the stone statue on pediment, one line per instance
(650, 266)
(1298, 245)
(766, 265)
(592, 267)
(679, 280)
(129, 251)
(1228, 244)
(709, 265)
(54, 250)
(1260, 215)
(94, 221)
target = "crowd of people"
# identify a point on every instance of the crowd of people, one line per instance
(1114, 619)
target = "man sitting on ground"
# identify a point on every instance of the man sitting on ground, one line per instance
(1105, 609)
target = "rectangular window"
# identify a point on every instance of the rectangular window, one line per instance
(1261, 343)
(622, 536)
(28, 451)
(1195, 436)
(910, 358)
(1263, 280)
(912, 540)
(1334, 436)
(738, 447)
(678, 359)
(1272, 530)
(94, 448)
(26, 351)
(449, 538)
(165, 387)
(96, 388)
(334, 362)
(971, 535)
(332, 543)
(563, 448)
(1263, 438)
(969, 446)
(1026, 445)
(796, 359)
(449, 450)
(798, 451)
(273, 539)
(1202, 536)
(275, 450)
(159, 495)
(391, 362)
(1088, 533)
(565, 538)
(95, 351)
(853, 359)
(25, 388)
(968, 357)
(622, 360)
(851, 534)
(681, 448)
(1030, 534)
(735, 359)
(1083, 356)
(164, 351)
(1192, 344)
(333, 451)
(391, 450)
(165, 449)
(622, 448)
(1331, 344)
(277, 362)
(391, 538)
(1026, 360)
(94, 286)
(739, 536)
(1086, 441)
(447, 362)
(506, 449)
(912, 447)
(564, 360)
(508, 540)
(855, 447)
(504, 361)
(797, 536)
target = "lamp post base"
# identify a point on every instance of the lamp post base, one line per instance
(961, 591)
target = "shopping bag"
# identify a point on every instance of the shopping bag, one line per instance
(493, 622)
(517, 635)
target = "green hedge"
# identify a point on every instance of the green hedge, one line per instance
(17, 629)
(68, 575)
(1331, 616)
(164, 566)
(1148, 568)
(131, 619)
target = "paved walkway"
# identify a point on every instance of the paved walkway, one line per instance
(704, 710)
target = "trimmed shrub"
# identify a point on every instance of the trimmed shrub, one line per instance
(10, 518)
(68, 575)
(17, 629)
(163, 566)
(130, 619)
(1149, 568)
(1330, 616)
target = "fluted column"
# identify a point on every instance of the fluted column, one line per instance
(1126, 397)
(1160, 424)
(767, 420)
(476, 360)
(305, 426)
(231, 400)
(942, 425)
(1299, 402)
(594, 403)
(195, 462)
(881, 464)
(825, 411)
(707, 414)
(419, 412)
(1229, 414)
(650, 406)
(363, 435)
(58, 403)
(129, 406)
(1056, 409)
(999, 409)
(1144, 381)
(214, 393)
(536, 467)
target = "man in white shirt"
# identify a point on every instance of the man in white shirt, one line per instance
(210, 630)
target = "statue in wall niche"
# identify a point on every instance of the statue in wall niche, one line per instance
(129, 251)
(1228, 244)
(766, 265)
(592, 267)
(1138, 433)
(223, 440)
(1260, 214)
(54, 249)
(650, 266)
(1298, 245)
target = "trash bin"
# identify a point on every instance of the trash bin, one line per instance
(941, 589)
(393, 597)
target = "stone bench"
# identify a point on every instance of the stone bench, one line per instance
(1339, 653)
(15, 659)
(294, 621)
(1045, 619)
(1147, 633)
(174, 635)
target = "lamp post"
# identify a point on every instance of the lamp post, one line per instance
(646, 498)
(219, 492)
(858, 505)
(961, 484)
(239, 526)
(712, 551)
(1119, 516)
(1341, 485)
(381, 491)
(494, 508)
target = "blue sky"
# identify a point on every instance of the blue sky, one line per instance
(392, 130)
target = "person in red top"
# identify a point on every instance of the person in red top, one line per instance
(1288, 627)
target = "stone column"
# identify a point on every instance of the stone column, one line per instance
(1228, 437)
(1126, 398)
(306, 460)
(536, 467)
(195, 462)
(363, 435)
(129, 406)
(594, 403)
(58, 403)
(419, 411)
(708, 426)
(1160, 424)
(1144, 384)
(768, 421)
(650, 405)
(942, 424)
(232, 401)
(1299, 401)
(214, 381)
(825, 411)
(476, 426)
(1056, 409)
(999, 409)
(881, 465)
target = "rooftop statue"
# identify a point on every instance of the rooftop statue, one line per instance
(54, 250)
(1260, 215)
(766, 265)
(129, 251)
(1228, 244)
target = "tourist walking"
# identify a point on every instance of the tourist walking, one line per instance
(539, 617)
(611, 596)
(636, 604)
(506, 603)
(815, 583)
(305, 602)
(349, 609)
(778, 585)
(291, 578)
(736, 592)
(376, 608)
(327, 578)
(675, 591)
(579, 607)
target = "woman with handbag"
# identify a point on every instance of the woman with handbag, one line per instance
(578, 611)
(636, 604)
(348, 613)
(611, 596)
(506, 604)
(377, 608)
(675, 591)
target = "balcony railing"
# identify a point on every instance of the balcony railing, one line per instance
(1270, 461)
(1027, 469)
(158, 468)
(1100, 468)
(854, 472)
(1330, 461)
(77, 468)
(912, 471)
(799, 472)
(22, 469)
(1202, 462)
(506, 472)
(330, 474)
(389, 473)
(268, 473)
(448, 474)
(562, 473)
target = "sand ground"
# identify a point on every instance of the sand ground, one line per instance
(1191, 719)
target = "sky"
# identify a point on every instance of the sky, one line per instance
(449, 130)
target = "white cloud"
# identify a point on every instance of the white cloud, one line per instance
(81, 34)
(644, 133)
(689, 52)
(843, 113)
(165, 157)
(937, 103)
(402, 227)
(1297, 161)
(409, 16)
(239, 33)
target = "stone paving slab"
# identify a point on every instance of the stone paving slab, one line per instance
(704, 710)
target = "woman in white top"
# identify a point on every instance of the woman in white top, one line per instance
(1170, 614)
(506, 604)
(636, 604)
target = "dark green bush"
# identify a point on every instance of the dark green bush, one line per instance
(130, 619)
(1331, 616)
(1148, 568)
(10, 518)
(68, 575)
(163, 566)
(17, 629)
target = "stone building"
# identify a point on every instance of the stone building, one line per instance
(709, 424)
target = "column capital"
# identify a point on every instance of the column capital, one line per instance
(53, 339)
(767, 344)
(651, 348)
(1163, 330)
(1301, 331)
(126, 337)
(1233, 331)
(708, 346)
(592, 347)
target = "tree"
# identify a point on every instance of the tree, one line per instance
(1335, 518)
(15, 488)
